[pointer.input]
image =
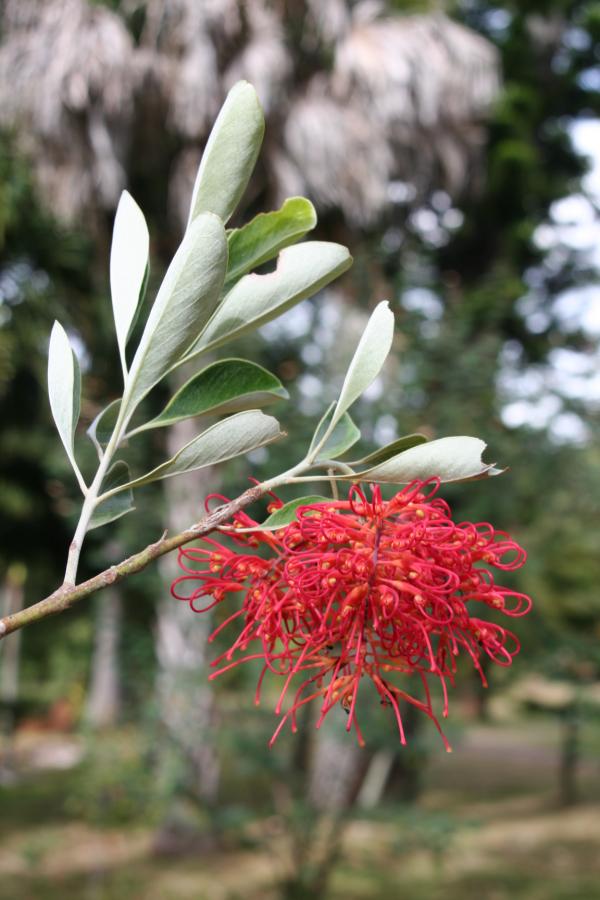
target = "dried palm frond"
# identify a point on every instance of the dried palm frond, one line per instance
(66, 87)
(264, 59)
(332, 154)
(355, 97)
(419, 86)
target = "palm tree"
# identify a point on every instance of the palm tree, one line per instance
(356, 99)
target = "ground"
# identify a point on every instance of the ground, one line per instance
(488, 827)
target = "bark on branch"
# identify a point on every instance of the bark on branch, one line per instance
(68, 594)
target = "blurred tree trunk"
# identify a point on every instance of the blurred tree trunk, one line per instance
(376, 779)
(332, 771)
(569, 755)
(315, 852)
(338, 776)
(104, 698)
(12, 601)
(189, 765)
(337, 772)
(405, 778)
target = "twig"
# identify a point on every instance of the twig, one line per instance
(69, 594)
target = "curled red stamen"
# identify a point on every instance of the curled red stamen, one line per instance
(360, 589)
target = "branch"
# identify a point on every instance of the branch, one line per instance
(68, 594)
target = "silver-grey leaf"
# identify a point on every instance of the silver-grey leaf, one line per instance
(230, 154)
(64, 388)
(230, 437)
(370, 355)
(186, 299)
(301, 271)
(456, 458)
(128, 265)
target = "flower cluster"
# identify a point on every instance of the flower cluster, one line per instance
(390, 591)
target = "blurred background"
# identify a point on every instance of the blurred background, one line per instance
(455, 147)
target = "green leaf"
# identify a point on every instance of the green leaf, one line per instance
(384, 453)
(227, 386)
(229, 438)
(287, 513)
(119, 504)
(230, 154)
(344, 435)
(368, 359)
(268, 233)
(455, 458)
(64, 388)
(186, 299)
(128, 267)
(256, 299)
(101, 429)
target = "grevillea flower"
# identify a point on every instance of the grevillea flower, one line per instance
(392, 592)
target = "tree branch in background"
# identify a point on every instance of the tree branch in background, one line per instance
(67, 595)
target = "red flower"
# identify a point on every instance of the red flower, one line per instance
(385, 590)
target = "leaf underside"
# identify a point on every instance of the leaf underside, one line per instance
(185, 301)
(301, 271)
(64, 387)
(456, 458)
(369, 357)
(225, 440)
(230, 154)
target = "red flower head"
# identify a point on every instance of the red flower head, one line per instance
(384, 590)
